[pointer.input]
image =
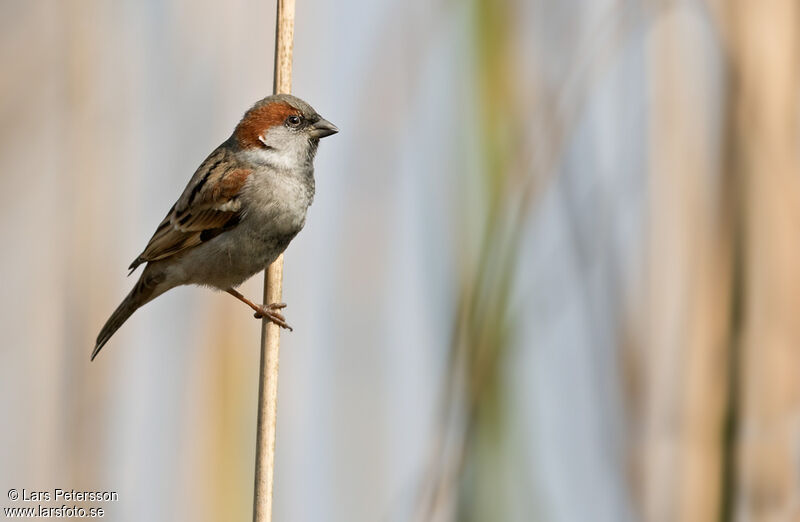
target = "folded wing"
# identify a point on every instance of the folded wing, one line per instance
(208, 206)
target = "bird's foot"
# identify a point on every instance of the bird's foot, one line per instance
(270, 311)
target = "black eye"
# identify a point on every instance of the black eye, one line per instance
(293, 121)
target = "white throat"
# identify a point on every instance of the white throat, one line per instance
(281, 149)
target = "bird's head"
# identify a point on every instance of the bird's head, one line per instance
(282, 131)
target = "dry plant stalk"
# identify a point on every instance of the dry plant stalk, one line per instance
(764, 43)
(684, 330)
(273, 283)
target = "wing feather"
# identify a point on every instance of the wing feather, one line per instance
(208, 205)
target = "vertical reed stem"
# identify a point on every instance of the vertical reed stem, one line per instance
(273, 282)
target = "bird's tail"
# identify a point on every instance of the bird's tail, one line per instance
(146, 289)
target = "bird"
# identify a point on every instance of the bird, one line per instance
(238, 213)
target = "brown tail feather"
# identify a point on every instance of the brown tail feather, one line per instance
(143, 292)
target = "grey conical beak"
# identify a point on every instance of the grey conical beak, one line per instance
(322, 128)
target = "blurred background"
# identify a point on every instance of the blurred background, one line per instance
(552, 271)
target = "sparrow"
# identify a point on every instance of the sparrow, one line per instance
(238, 213)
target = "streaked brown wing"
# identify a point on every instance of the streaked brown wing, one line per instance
(209, 205)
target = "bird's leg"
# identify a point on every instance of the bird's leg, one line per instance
(269, 311)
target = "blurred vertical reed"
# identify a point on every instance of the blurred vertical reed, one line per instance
(483, 333)
(684, 325)
(521, 132)
(466, 480)
(721, 357)
(763, 44)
